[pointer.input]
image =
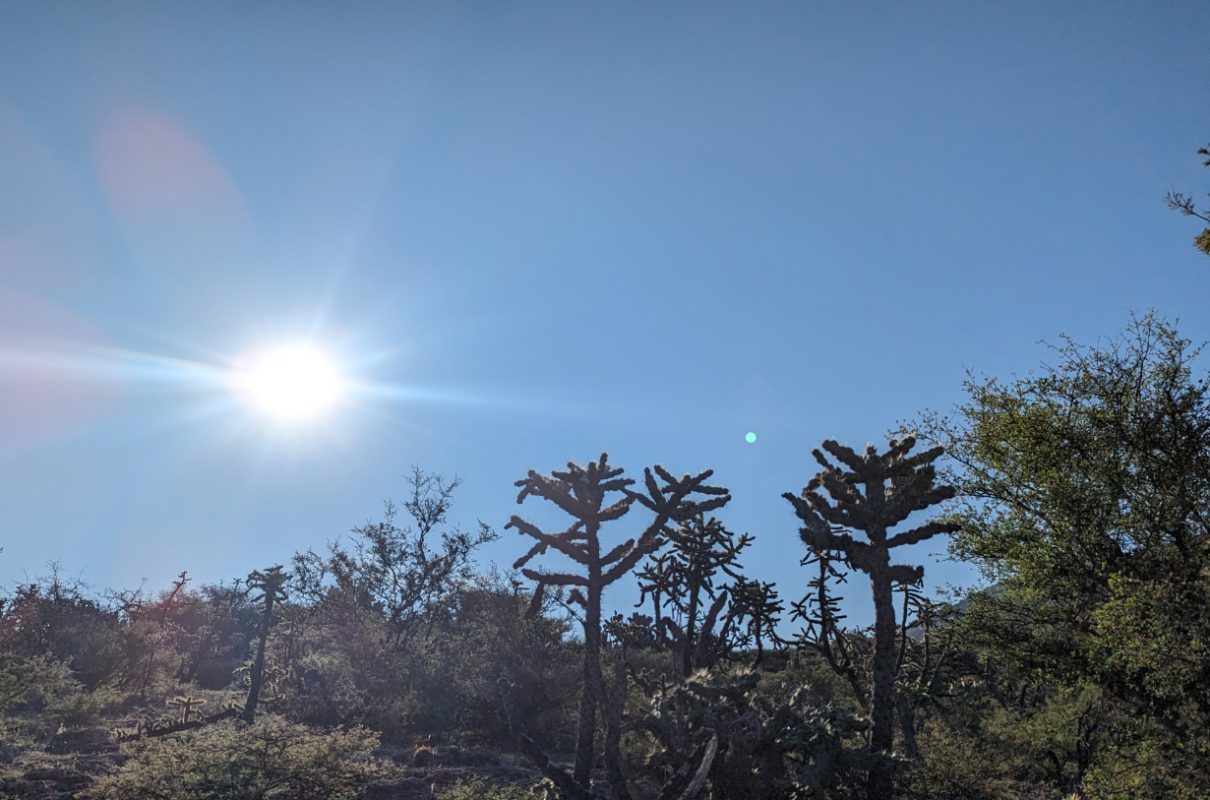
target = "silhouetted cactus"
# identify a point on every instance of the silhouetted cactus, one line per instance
(872, 493)
(846, 651)
(271, 585)
(932, 669)
(701, 620)
(583, 492)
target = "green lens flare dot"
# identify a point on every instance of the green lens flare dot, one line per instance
(750, 437)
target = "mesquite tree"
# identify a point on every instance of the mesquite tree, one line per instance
(407, 575)
(702, 620)
(271, 585)
(161, 614)
(872, 493)
(584, 493)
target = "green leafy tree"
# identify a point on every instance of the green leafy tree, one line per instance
(371, 614)
(57, 618)
(1086, 497)
(494, 634)
(407, 576)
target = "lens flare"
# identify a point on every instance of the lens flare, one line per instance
(289, 383)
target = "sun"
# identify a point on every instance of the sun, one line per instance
(288, 383)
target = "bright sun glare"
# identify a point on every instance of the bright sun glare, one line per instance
(289, 383)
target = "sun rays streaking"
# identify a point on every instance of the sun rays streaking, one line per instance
(65, 362)
(214, 381)
(185, 398)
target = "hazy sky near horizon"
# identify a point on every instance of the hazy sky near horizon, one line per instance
(544, 230)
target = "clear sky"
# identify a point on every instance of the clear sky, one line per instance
(543, 230)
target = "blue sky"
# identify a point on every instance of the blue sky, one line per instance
(550, 230)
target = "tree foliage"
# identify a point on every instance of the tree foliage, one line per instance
(403, 575)
(1179, 201)
(1086, 490)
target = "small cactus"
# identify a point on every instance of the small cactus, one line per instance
(702, 621)
(187, 704)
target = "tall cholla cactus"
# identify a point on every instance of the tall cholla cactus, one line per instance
(272, 587)
(872, 493)
(707, 621)
(582, 493)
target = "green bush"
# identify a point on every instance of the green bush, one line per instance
(83, 707)
(480, 789)
(272, 758)
(30, 683)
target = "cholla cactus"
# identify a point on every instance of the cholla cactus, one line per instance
(584, 494)
(872, 493)
(187, 704)
(702, 620)
(271, 585)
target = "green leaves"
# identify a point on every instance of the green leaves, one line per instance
(1179, 201)
(1085, 494)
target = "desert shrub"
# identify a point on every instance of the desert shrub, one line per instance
(960, 765)
(332, 676)
(211, 630)
(480, 789)
(81, 707)
(54, 617)
(29, 683)
(272, 758)
(363, 645)
(491, 636)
